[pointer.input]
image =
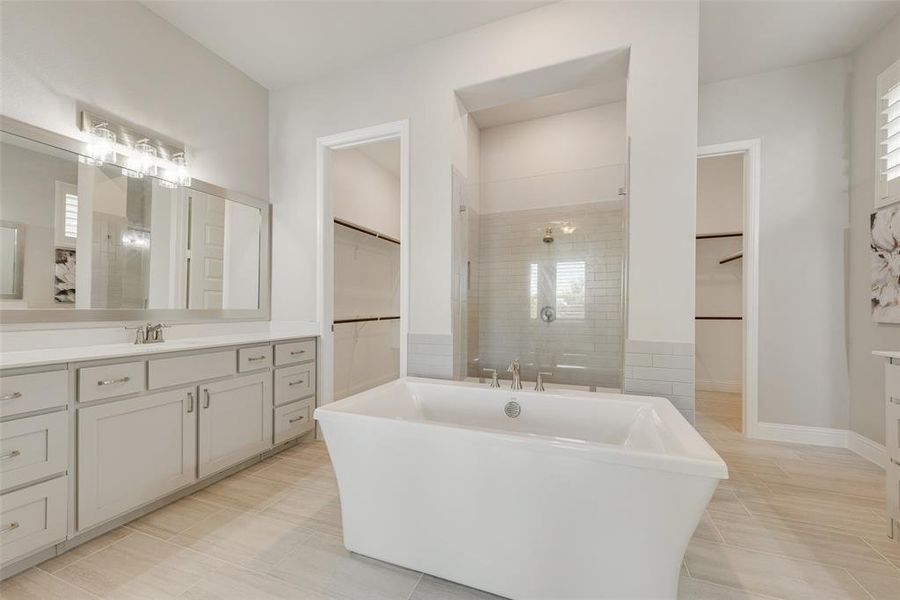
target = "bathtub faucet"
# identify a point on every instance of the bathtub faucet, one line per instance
(516, 376)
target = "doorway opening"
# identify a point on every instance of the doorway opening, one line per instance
(363, 203)
(726, 329)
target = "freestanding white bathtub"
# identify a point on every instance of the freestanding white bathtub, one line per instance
(582, 495)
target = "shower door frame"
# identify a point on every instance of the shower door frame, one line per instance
(325, 237)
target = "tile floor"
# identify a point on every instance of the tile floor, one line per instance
(792, 522)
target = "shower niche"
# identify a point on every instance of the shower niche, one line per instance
(540, 227)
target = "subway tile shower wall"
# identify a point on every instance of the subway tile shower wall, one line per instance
(577, 276)
(661, 369)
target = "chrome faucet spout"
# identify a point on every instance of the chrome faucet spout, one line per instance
(515, 369)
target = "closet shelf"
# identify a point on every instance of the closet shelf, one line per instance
(364, 319)
(719, 318)
(366, 230)
(730, 257)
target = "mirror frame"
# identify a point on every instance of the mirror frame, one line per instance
(60, 316)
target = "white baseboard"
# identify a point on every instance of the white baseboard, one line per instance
(734, 387)
(868, 449)
(802, 434)
(823, 436)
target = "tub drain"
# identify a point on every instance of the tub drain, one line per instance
(512, 409)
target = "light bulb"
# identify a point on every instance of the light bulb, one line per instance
(102, 145)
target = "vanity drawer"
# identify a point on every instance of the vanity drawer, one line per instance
(109, 381)
(33, 448)
(34, 391)
(293, 383)
(251, 359)
(32, 518)
(165, 372)
(292, 352)
(292, 420)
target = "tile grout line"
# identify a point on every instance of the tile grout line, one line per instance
(74, 585)
(89, 554)
(859, 583)
(741, 590)
(413, 590)
(879, 553)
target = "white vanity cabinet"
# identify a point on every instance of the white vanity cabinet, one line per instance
(133, 451)
(892, 443)
(235, 421)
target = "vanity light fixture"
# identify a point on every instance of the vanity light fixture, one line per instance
(143, 160)
(177, 172)
(102, 144)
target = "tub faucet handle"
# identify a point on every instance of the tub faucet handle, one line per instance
(515, 369)
(495, 383)
(539, 383)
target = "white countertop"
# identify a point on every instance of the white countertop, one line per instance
(887, 353)
(50, 356)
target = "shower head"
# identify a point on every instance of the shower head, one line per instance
(548, 235)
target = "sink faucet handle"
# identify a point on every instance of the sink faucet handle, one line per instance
(495, 383)
(539, 383)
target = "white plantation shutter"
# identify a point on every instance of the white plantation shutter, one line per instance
(888, 138)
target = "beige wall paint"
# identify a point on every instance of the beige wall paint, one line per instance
(866, 371)
(800, 116)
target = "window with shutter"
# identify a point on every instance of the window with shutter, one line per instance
(888, 135)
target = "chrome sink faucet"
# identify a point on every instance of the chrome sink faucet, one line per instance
(149, 333)
(516, 375)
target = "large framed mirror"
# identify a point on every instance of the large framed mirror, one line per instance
(86, 242)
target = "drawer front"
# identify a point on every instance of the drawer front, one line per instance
(32, 518)
(33, 448)
(109, 381)
(293, 383)
(292, 420)
(293, 352)
(35, 391)
(165, 372)
(251, 359)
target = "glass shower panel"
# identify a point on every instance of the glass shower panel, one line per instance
(546, 277)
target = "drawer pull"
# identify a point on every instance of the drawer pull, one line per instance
(190, 402)
(298, 382)
(9, 455)
(297, 352)
(295, 419)
(103, 382)
(206, 398)
(10, 527)
(12, 396)
(256, 358)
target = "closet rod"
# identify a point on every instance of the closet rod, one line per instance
(712, 236)
(362, 319)
(719, 318)
(371, 232)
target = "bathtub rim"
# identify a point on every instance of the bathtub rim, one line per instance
(704, 461)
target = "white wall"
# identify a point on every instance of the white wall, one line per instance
(365, 193)
(720, 194)
(799, 114)
(570, 158)
(418, 85)
(123, 60)
(866, 371)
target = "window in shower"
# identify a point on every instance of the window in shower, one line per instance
(533, 290)
(570, 290)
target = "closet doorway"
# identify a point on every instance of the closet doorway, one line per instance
(726, 304)
(363, 203)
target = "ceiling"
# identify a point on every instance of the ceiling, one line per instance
(744, 38)
(282, 43)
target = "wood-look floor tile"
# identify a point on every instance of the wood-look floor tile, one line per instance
(725, 500)
(696, 589)
(78, 552)
(296, 473)
(800, 541)
(35, 584)
(882, 586)
(243, 538)
(140, 566)
(767, 574)
(309, 508)
(234, 583)
(323, 565)
(706, 530)
(242, 492)
(174, 518)
(432, 588)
